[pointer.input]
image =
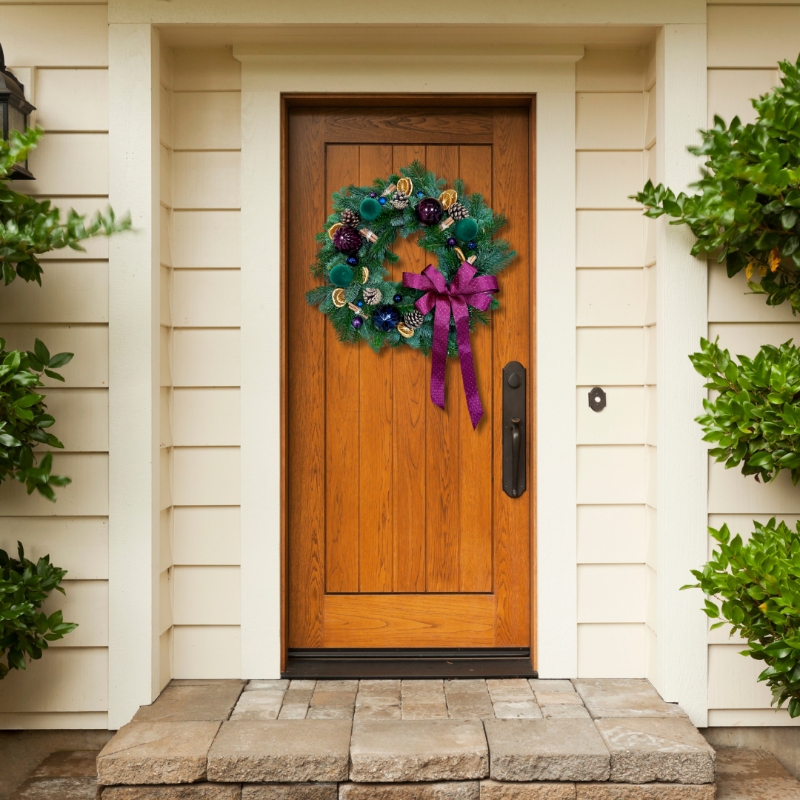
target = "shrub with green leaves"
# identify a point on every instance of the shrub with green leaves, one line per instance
(747, 209)
(754, 419)
(755, 588)
(24, 420)
(25, 630)
(30, 227)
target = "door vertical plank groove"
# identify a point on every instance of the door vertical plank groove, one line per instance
(475, 552)
(410, 404)
(443, 464)
(341, 418)
(305, 411)
(376, 390)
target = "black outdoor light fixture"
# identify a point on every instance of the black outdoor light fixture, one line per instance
(14, 111)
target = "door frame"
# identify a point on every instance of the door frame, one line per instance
(269, 83)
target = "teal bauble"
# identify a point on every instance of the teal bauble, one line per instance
(466, 229)
(341, 275)
(369, 209)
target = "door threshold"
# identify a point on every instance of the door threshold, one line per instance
(410, 663)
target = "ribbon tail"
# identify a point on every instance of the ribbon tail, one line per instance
(474, 406)
(441, 333)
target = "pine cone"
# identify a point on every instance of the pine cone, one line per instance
(372, 296)
(413, 319)
(457, 211)
(350, 218)
(399, 201)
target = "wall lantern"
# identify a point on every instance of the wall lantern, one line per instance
(14, 111)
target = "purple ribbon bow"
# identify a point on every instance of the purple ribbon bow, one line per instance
(465, 289)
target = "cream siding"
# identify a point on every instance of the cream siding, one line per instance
(206, 363)
(199, 591)
(64, 68)
(167, 351)
(613, 152)
(744, 43)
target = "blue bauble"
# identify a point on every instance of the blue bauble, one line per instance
(472, 245)
(382, 201)
(385, 318)
(398, 298)
(352, 261)
(360, 303)
(420, 194)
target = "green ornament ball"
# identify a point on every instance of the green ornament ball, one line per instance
(466, 229)
(369, 209)
(341, 275)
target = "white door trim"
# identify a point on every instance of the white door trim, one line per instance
(550, 75)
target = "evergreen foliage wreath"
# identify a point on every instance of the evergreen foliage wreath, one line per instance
(357, 297)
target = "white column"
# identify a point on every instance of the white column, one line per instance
(133, 371)
(556, 348)
(261, 380)
(682, 320)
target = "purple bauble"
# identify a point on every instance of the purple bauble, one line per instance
(357, 322)
(347, 240)
(451, 242)
(429, 211)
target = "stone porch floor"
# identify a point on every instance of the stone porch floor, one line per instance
(508, 739)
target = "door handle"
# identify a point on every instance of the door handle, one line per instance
(514, 429)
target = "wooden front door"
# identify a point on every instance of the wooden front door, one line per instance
(399, 533)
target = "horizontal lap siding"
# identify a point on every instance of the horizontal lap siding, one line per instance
(167, 346)
(612, 352)
(744, 43)
(206, 363)
(62, 53)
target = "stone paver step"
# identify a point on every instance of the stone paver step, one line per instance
(504, 739)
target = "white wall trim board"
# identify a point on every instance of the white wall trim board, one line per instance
(472, 12)
(133, 372)
(682, 320)
(264, 79)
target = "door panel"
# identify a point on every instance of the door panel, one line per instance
(399, 534)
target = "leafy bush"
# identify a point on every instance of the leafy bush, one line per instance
(24, 629)
(754, 420)
(29, 227)
(24, 420)
(757, 586)
(748, 206)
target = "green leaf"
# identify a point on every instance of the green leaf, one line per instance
(42, 353)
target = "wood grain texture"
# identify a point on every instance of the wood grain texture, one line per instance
(476, 470)
(442, 451)
(341, 421)
(305, 401)
(409, 126)
(423, 620)
(399, 500)
(410, 413)
(511, 516)
(376, 437)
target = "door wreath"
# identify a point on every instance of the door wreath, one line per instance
(434, 311)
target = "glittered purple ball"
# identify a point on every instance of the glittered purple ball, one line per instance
(347, 240)
(373, 194)
(357, 322)
(429, 211)
(451, 242)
